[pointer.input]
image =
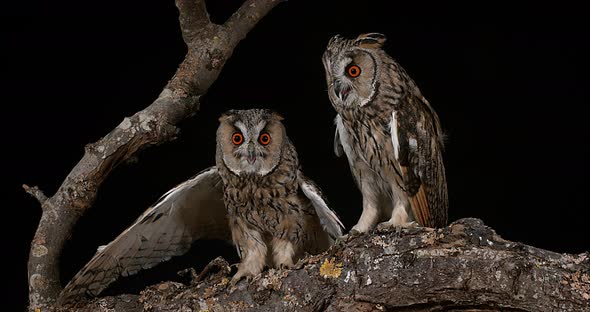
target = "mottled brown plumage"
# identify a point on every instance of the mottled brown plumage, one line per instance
(272, 220)
(255, 197)
(391, 135)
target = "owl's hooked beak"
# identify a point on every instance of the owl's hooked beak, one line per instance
(341, 90)
(251, 153)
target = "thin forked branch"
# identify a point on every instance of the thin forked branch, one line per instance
(209, 47)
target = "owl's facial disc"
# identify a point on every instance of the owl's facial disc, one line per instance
(254, 148)
(249, 154)
(250, 142)
(351, 78)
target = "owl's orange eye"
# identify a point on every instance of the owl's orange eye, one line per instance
(353, 71)
(237, 138)
(264, 139)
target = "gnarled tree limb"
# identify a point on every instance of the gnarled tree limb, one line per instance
(209, 47)
(463, 267)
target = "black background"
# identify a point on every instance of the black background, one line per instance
(510, 85)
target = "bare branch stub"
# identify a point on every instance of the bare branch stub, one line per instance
(209, 47)
(36, 192)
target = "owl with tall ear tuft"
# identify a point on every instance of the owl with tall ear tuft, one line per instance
(256, 198)
(390, 134)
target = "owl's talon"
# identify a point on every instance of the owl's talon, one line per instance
(241, 274)
(300, 263)
(285, 266)
(352, 234)
(387, 226)
(237, 277)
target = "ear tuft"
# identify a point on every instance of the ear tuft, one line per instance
(277, 116)
(227, 116)
(371, 40)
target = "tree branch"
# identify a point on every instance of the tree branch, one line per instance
(463, 267)
(193, 16)
(209, 47)
(246, 17)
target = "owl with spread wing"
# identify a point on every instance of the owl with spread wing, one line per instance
(256, 197)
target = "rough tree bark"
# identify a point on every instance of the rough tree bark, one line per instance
(209, 47)
(463, 267)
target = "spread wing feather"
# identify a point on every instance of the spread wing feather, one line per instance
(328, 218)
(192, 210)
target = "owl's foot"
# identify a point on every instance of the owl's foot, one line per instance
(240, 275)
(352, 234)
(342, 240)
(286, 266)
(301, 262)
